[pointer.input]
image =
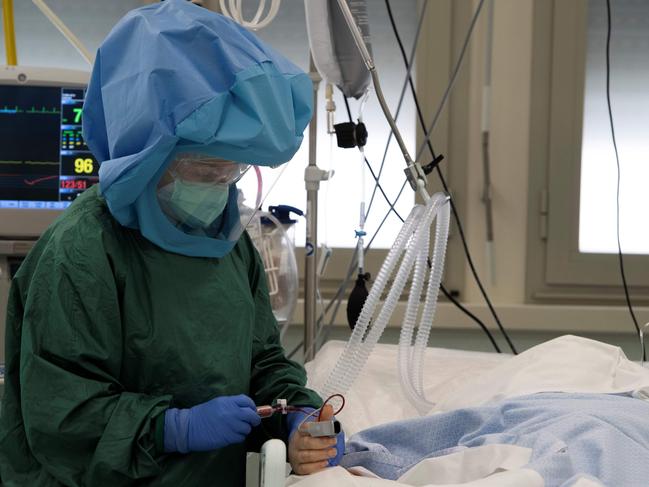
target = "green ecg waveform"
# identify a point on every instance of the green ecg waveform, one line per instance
(30, 111)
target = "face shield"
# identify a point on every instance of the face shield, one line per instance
(199, 195)
(194, 191)
(201, 169)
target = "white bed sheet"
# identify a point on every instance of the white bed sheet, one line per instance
(376, 396)
(456, 379)
(342, 478)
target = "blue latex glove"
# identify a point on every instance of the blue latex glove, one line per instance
(214, 424)
(293, 421)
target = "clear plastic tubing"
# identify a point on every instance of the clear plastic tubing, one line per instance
(411, 250)
(411, 359)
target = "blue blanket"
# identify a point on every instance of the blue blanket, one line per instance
(602, 436)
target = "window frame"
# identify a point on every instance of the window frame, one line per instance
(557, 271)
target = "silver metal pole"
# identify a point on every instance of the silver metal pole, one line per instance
(312, 178)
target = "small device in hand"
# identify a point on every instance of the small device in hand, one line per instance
(319, 429)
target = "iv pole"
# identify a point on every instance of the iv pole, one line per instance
(313, 175)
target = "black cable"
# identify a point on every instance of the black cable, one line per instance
(456, 216)
(349, 112)
(385, 196)
(452, 299)
(454, 76)
(422, 16)
(404, 56)
(617, 159)
(475, 272)
(378, 229)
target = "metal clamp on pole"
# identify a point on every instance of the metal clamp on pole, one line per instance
(415, 173)
(313, 175)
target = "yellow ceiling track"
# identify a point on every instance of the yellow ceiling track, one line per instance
(10, 35)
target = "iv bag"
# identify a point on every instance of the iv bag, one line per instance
(334, 50)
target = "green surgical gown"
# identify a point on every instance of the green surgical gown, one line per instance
(105, 331)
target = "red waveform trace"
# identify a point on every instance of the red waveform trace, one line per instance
(39, 180)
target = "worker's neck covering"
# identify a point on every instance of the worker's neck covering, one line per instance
(174, 77)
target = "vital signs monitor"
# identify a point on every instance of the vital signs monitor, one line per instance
(44, 162)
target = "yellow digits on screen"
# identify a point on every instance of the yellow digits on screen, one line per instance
(83, 166)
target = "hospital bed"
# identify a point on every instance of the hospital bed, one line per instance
(376, 398)
(457, 379)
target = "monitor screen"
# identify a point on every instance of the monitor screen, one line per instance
(44, 161)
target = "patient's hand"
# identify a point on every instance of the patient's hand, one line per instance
(307, 454)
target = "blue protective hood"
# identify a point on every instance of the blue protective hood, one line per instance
(177, 77)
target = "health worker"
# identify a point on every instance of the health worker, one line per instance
(140, 336)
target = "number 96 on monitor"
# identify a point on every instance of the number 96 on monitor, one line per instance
(79, 165)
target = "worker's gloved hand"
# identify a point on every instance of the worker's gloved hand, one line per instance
(307, 454)
(214, 424)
